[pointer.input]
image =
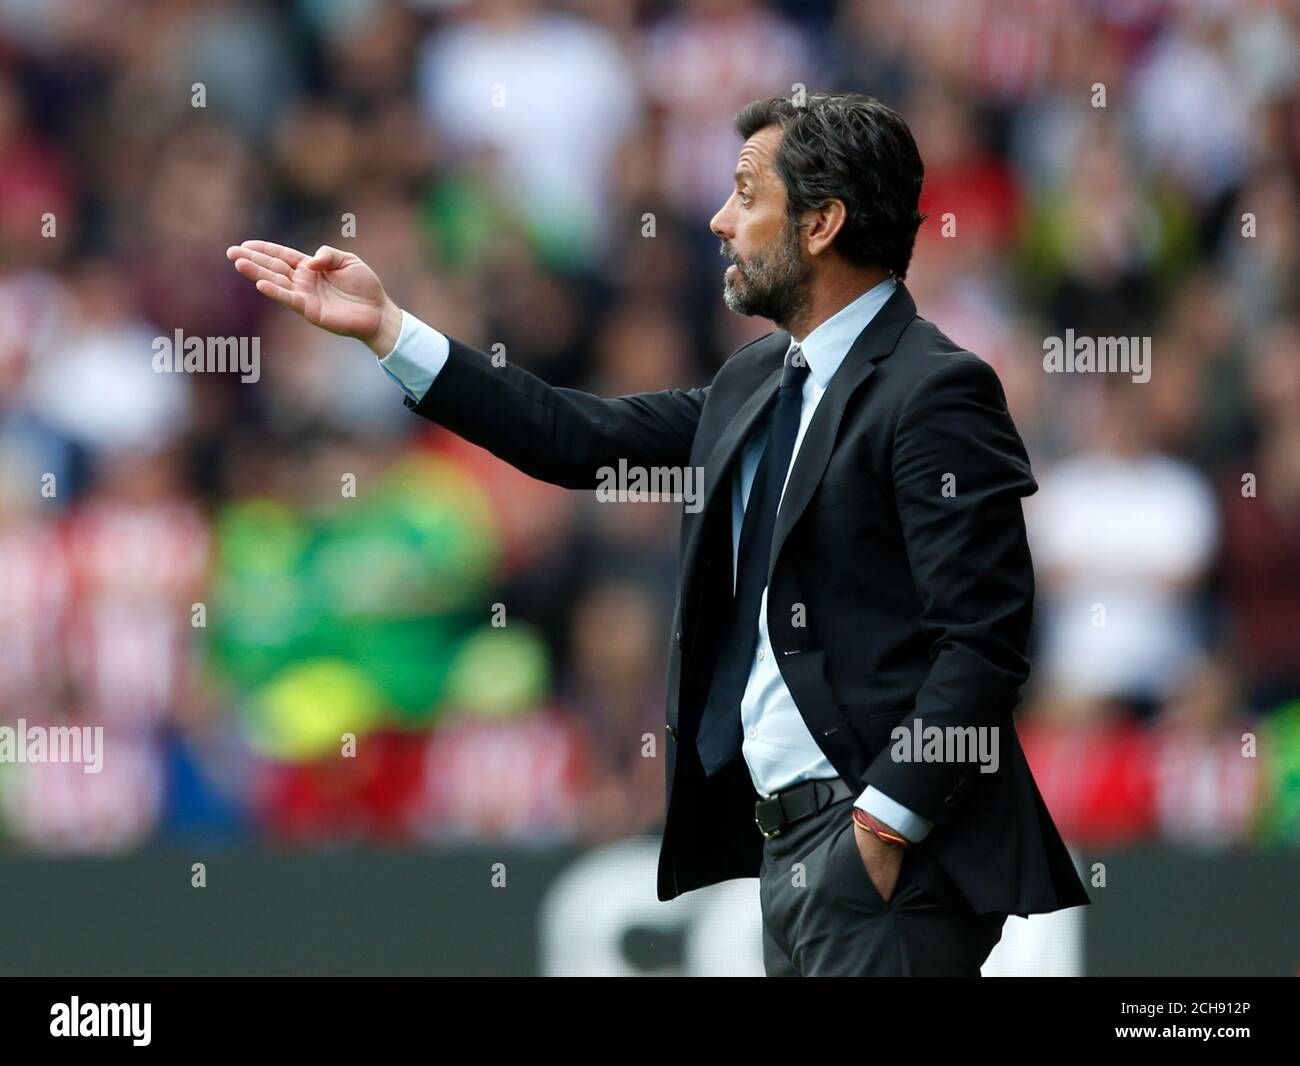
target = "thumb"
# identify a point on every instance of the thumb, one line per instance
(326, 258)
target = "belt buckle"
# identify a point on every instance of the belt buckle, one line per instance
(766, 834)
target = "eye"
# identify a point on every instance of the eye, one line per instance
(746, 199)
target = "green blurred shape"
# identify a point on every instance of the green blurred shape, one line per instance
(404, 576)
(1279, 748)
(499, 673)
(463, 214)
(262, 612)
(408, 659)
(428, 537)
(389, 583)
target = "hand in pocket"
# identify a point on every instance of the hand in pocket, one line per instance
(882, 861)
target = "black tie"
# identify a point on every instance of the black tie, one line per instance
(720, 735)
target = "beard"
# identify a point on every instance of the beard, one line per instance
(772, 284)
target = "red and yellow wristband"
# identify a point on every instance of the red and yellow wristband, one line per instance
(874, 825)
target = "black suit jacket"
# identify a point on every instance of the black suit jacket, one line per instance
(889, 598)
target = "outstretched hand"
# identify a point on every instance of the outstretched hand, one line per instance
(331, 289)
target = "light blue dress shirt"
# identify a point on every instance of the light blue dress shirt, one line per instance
(778, 748)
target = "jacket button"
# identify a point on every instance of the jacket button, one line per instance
(679, 636)
(950, 801)
(672, 732)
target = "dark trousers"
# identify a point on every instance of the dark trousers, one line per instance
(823, 917)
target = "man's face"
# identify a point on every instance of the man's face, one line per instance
(769, 272)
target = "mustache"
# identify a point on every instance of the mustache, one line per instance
(728, 254)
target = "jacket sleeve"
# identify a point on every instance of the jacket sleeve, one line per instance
(959, 471)
(562, 436)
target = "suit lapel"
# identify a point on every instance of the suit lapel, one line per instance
(719, 464)
(877, 340)
(727, 449)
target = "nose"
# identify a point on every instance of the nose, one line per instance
(720, 225)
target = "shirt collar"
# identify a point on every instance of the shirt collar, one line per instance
(827, 345)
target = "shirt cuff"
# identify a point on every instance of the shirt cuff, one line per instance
(417, 357)
(894, 814)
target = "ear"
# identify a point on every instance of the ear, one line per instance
(821, 225)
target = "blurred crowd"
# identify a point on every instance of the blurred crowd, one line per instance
(302, 614)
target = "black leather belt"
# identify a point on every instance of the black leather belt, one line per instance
(775, 813)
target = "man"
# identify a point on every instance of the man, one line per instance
(857, 575)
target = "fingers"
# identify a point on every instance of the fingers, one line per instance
(270, 268)
(281, 259)
(327, 258)
(282, 295)
(290, 256)
(255, 266)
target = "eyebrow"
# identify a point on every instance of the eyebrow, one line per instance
(745, 174)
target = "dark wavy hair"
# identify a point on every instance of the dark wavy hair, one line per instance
(848, 147)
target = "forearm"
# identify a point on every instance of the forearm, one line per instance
(563, 436)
